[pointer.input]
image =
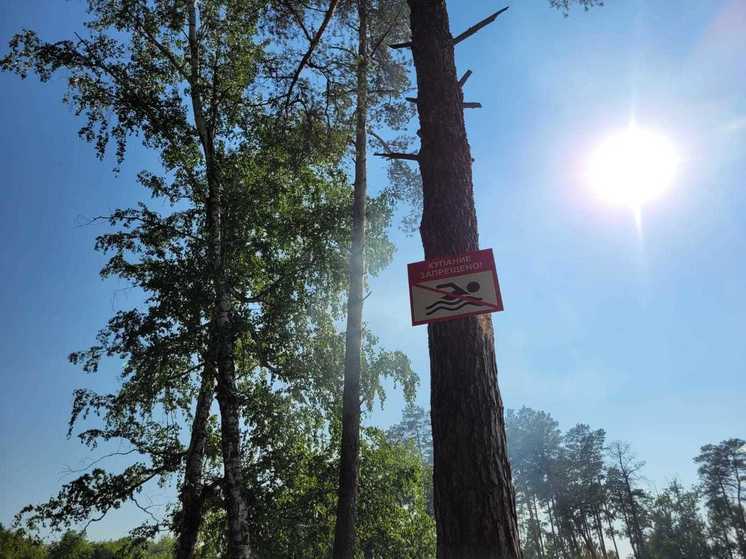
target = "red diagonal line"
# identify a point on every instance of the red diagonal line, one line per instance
(457, 296)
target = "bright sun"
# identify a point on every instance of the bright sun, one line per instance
(633, 167)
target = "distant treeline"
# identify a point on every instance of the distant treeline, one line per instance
(72, 545)
(577, 495)
(580, 496)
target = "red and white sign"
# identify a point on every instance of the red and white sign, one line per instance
(453, 286)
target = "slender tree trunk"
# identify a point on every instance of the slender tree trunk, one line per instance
(726, 539)
(191, 496)
(474, 499)
(344, 532)
(556, 539)
(230, 430)
(538, 527)
(587, 537)
(572, 540)
(636, 527)
(629, 524)
(735, 519)
(222, 336)
(600, 532)
(534, 528)
(738, 511)
(228, 401)
(739, 498)
(557, 531)
(613, 537)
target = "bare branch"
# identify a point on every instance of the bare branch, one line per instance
(383, 142)
(69, 470)
(406, 45)
(474, 28)
(146, 510)
(393, 155)
(464, 78)
(311, 47)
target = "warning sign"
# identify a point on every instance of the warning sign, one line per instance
(454, 286)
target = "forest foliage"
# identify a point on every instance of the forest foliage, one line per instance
(578, 496)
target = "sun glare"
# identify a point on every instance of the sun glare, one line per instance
(633, 167)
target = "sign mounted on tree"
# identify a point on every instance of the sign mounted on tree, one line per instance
(453, 287)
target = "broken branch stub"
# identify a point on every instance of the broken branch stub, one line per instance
(474, 28)
(405, 156)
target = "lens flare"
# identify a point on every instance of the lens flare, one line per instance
(633, 167)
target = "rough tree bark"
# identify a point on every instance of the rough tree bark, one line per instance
(349, 469)
(474, 498)
(221, 328)
(191, 496)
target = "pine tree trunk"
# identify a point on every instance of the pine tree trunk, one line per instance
(636, 527)
(349, 470)
(474, 499)
(191, 496)
(586, 536)
(532, 532)
(600, 533)
(539, 530)
(613, 537)
(629, 527)
(557, 541)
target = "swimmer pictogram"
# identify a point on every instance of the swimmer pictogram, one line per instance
(452, 287)
(452, 301)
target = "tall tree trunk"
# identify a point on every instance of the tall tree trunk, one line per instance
(534, 531)
(344, 532)
(538, 527)
(738, 511)
(587, 536)
(613, 537)
(734, 517)
(191, 496)
(600, 532)
(557, 541)
(628, 525)
(474, 500)
(227, 395)
(222, 336)
(726, 539)
(739, 490)
(636, 527)
(228, 401)
(559, 535)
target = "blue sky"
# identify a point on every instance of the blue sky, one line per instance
(640, 335)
